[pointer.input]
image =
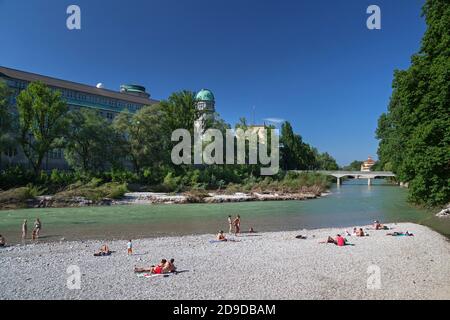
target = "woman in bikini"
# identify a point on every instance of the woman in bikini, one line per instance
(158, 269)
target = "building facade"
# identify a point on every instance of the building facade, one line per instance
(367, 165)
(107, 103)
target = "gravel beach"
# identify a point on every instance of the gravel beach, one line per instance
(260, 266)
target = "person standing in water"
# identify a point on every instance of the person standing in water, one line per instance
(237, 224)
(37, 228)
(24, 229)
(230, 224)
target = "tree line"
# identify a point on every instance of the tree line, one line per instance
(135, 146)
(414, 133)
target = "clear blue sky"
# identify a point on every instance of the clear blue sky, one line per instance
(312, 62)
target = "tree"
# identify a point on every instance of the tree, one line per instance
(6, 139)
(353, 166)
(295, 154)
(144, 139)
(326, 162)
(42, 121)
(414, 134)
(179, 112)
(90, 142)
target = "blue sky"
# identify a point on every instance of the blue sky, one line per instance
(313, 63)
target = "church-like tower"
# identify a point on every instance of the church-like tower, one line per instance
(205, 101)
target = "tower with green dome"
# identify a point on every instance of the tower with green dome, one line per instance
(206, 102)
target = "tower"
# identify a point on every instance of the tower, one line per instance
(205, 101)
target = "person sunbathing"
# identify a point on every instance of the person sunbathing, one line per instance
(395, 234)
(378, 226)
(158, 269)
(221, 236)
(339, 241)
(104, 251)
(360, 232)
(169, 266)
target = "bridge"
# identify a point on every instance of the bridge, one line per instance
(369, 175)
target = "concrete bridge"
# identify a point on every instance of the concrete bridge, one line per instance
(369, 175)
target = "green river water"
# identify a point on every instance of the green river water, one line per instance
(353, 204)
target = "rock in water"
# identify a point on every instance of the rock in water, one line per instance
(444, 212)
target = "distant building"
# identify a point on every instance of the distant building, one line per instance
(367, 165)
(107, 103)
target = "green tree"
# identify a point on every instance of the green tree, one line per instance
(414, 134)
(42, 122)
(294, 153)
(144, 139)
(326, 162)
(353, 166)
(179, 112)
(90, 142)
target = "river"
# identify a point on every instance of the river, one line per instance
(352, 204)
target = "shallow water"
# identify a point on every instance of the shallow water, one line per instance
(353, 204)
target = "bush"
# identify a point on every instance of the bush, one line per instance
(16, 176)
(15, 195)
(115, 191)
(172, 183)
(94, 191)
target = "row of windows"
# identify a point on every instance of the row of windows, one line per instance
(80, 96)
(56, 154)
(105, 114)
(100, 100)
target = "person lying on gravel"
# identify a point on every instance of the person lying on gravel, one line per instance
(104, 251)
(221, 236)
(397, 234)
(339, 241)
(360, 233)
(169, 266)
(158, 269)
(378, 226)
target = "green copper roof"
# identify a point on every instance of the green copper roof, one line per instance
(205, 95)
(132, 88)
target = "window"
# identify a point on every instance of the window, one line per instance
(55, 154)
(11, 152)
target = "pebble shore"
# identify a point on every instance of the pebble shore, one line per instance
(260, 266)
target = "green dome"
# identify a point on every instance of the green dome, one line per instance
(205, 95)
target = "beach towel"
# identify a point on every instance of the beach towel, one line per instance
(153, 275)
(229, 240)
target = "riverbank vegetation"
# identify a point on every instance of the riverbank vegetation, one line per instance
(414, 133)
(132, 152)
